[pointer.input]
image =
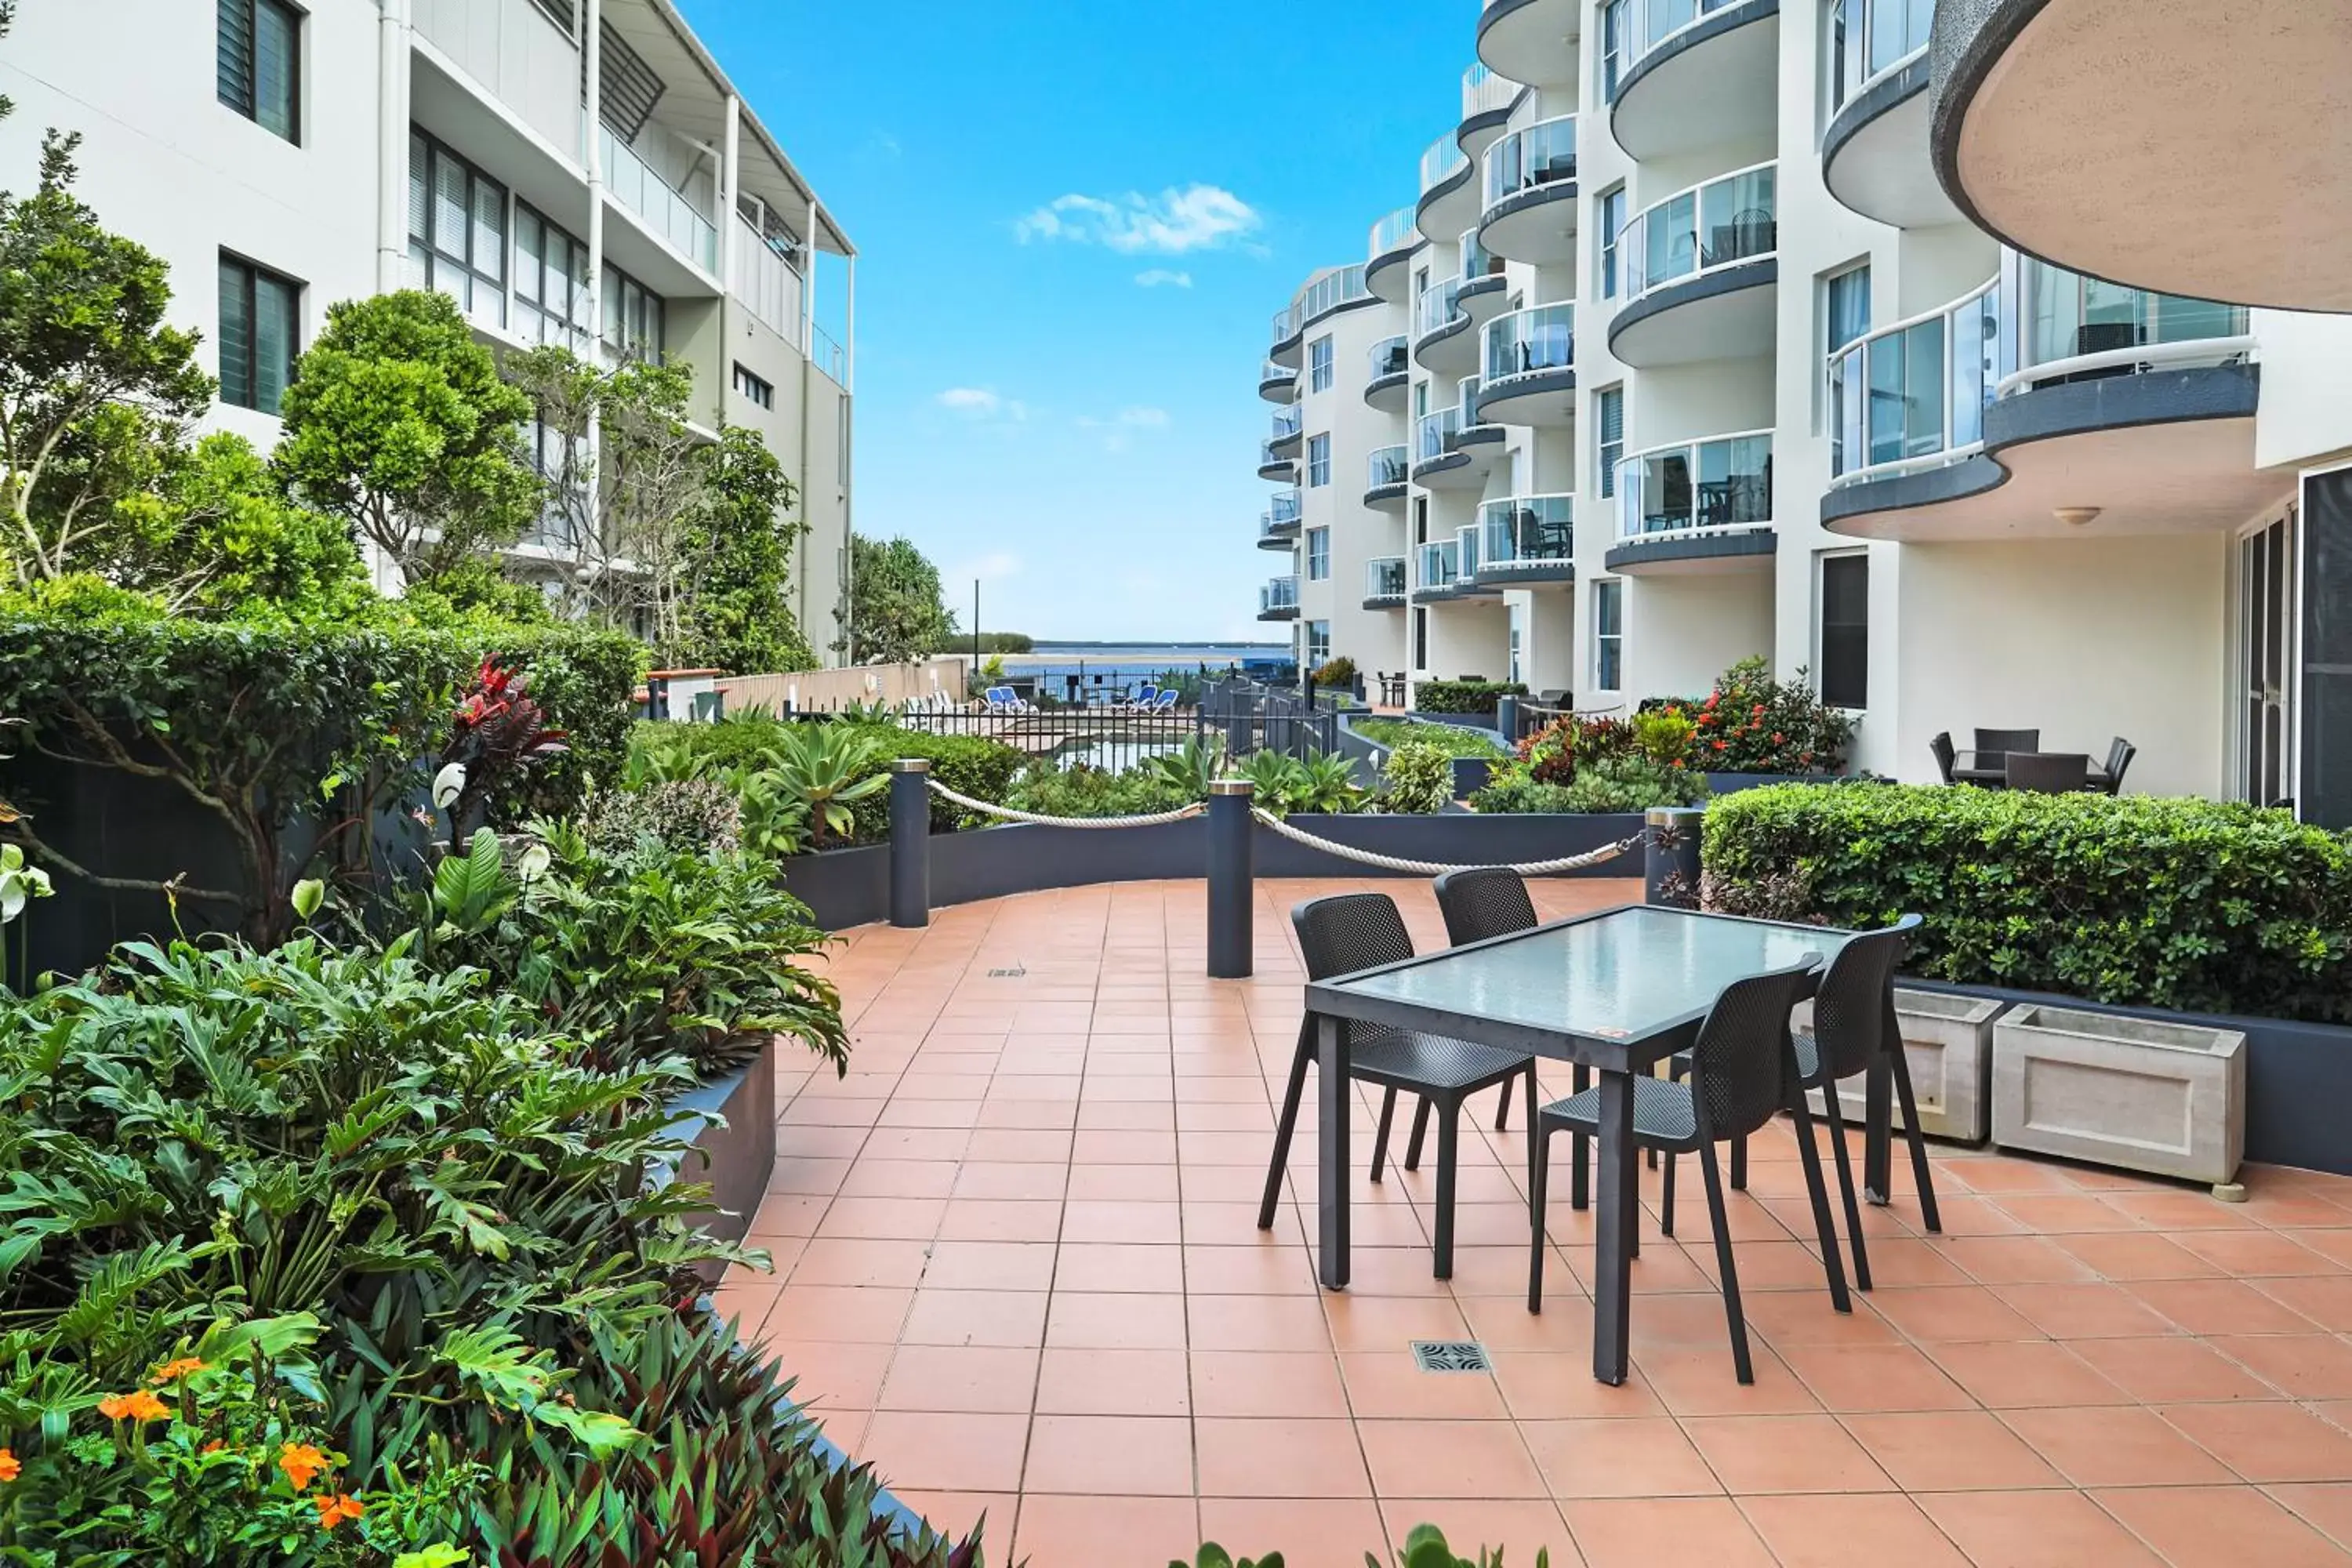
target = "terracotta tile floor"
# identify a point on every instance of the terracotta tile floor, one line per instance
(1016, 1266)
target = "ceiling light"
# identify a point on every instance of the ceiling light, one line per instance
(2077, 516)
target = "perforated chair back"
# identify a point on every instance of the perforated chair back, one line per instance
(2049, 773)
(1348, 932)
(1483, 901)
(1738, 1064)
(1850, 1009)
(2119, 759)
(2007, 740)
(1945, 757)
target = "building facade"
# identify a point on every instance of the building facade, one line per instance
(568, 171)
(1757, 375)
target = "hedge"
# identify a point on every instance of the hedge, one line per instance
(969, 765)
(1463, 695)
(2192, 905)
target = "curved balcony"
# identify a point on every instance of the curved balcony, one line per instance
(1449, 191)
(1533, 39)
(1271, 465)
(1699, 506)
(1701, 271)
(1290, 431)
(1389, 380)
(1526, 540)
(1277, 383)
(1691, 74)
(1874, 150)
(1385, 476)
(1468, 553)
(1278, 527)
(2185, 149)
(1450, 453)
(1384, 583)
(1387, 272)
(1288, 339)
(1530, 193)
(1444, 342)
(1436, 571)
(1329, 292)
(2095, 407)
(1485, 287)
(1278, 599)
(1487, 100)
(1528, 376)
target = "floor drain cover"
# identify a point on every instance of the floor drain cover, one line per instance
(1451, 1355)
(1015, 972)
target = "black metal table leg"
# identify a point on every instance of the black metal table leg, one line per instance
(1333, 1092)
(1613, 1272)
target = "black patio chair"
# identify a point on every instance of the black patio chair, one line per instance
(1994, 742)
(1946, 758)
(2119, 759)
(1340, 935)
(1853, 1029)
(1477, 903)
(2048, 772)
(1743, 1073)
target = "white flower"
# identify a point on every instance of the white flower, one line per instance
(532, 864)
(448, 785)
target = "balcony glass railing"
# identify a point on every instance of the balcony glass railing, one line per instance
(1466, 551)
(1542, 154)
(1273, 370)
(1526, 531)
(1283, 513)
(1483, 92)
(1526, 342)
(1632, 28)
(1697, 486)
(1384, 577)
(1477, 261)
(1328, 293)
(1719, 224)
(1288, 421)
(1440, 162)
(1390, 356)
(1394, 232)
(1389, 466)
(1286, 324)
(636, 187)
(1434, 435)
(1268, 457)
(1869, 38)
(1278, 593)
(1465, 398)
(1437, 566)
(1439, 306)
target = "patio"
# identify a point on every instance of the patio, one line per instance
(1017, 1268)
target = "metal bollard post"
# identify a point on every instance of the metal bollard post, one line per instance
(1670, 865)
(1233, 880)
(1506, 719)
(910, 843)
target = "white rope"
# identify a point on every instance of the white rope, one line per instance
(1433, 868)
(1009, 814)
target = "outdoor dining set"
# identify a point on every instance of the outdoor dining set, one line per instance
(1616, 995)
(2013, 759)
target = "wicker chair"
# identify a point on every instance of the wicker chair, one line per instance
(1946, 758)
(2120, 760)
(1743, 1074)
(2049, 773)
(1352, 932)
(1992, 742)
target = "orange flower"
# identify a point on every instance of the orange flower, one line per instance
(213, 1447)
(139, 1407)
(302, 1464)
(172, 1371)
(9, 1469)
(333, 1511)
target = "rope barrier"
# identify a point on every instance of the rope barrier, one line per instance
(1009, 814)
(1436, 869)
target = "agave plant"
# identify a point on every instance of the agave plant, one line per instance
(826, 767)
(1193, 767)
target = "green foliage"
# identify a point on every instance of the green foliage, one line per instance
(1050, 790)
(1006, 642)
(398, 423)
(1190, 768)
(96, 391)
(1663, 735)
(1453, 739)
(1338, 672)
(1213, 1555)
(215, 536)
(481, 588)
(1425, 1547)
(829, 768)
(734, 567)
(2197, 905)
(1320, 782)
(1620, 783)
(897, 611)
(1463, 695)
(698, 816)
(1751, 723)
(1417, 778)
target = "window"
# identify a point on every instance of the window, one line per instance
(1845, 631)
(1421, 639)
(1846, 307)
(1318, 360)
(1609, 412)
(558, 12)
(1319, 555)
(1615, 31)
(1518, 643)
(1319, 461)
(456, 230)
(1612, 224)
(1609, 635)
(633, 317)
(259, 334)
(257, 64)
(1319, 644)
(752, 387)
(1421, 519)
(551, 282)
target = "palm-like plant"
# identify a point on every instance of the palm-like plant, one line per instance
(827, 767)
(1193, 767)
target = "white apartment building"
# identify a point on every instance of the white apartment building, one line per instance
(1775, 335)
(572, 170)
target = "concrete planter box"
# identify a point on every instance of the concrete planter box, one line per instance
(730, 1120)
(1947, 1041)
(2139, 1094)
(1471, 775)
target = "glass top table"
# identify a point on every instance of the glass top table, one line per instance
(1618, 991)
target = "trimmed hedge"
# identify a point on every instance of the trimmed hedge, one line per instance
(2193, 905)
(1463, 695)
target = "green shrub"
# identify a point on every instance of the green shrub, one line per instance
(1336, 672)
(2189, 904)
(1453, 739)
(700, 816)
(1463, 695)
(1050, 790)
(1417, 779)
(1751, 723)
(1609, 785)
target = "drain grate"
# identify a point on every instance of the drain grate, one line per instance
(1451, 1355)
(1015, 972)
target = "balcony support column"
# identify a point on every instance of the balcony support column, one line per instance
(393, 26)
(730, 185)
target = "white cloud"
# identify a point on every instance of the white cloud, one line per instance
(1160, 278)
(982, 403)
(1174, 222)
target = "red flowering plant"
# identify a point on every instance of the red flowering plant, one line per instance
(1751, 723)
(499, 733)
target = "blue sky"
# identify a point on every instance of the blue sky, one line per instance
(1058, 396)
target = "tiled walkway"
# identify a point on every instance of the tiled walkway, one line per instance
(1017, 1263)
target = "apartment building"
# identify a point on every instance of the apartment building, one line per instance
(570, 171)
(1783, 351)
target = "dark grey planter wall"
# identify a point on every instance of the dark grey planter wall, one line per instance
(2298, 1077)
(732, 1122)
